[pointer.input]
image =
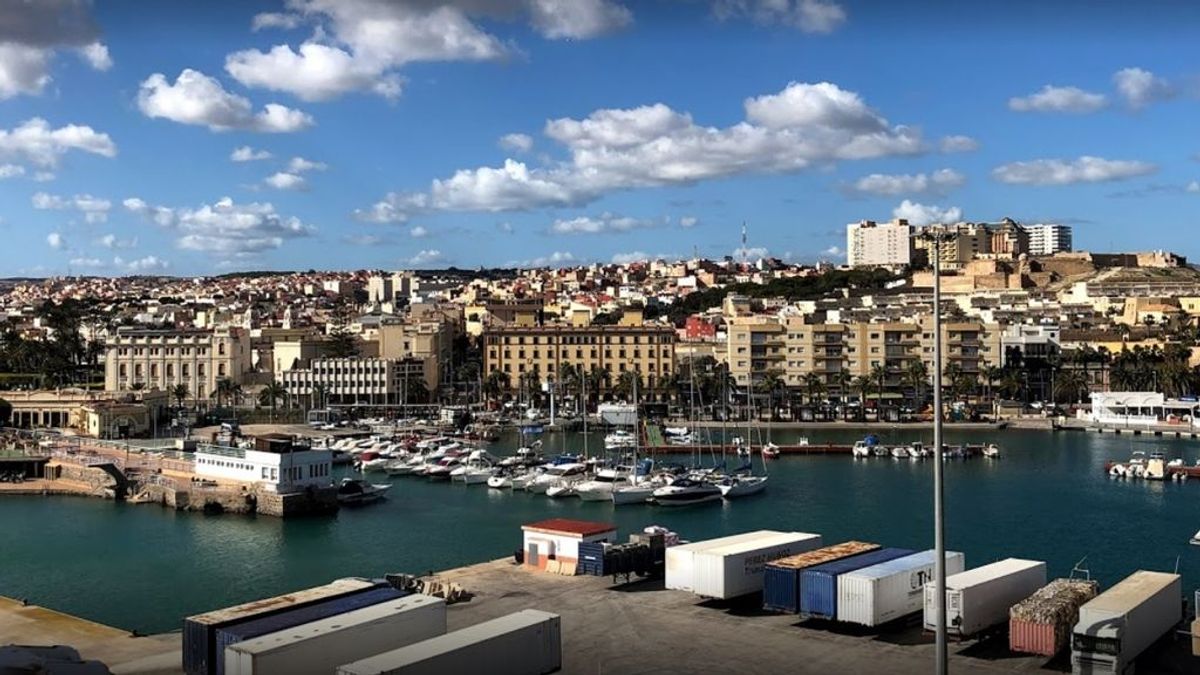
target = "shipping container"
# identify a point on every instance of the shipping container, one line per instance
(980, 598)
(528, 642)
(818, 584)
(200, 631)
(1120, 623)
(680, 560)
(1041, 624)
(781, 578)
(737, 569)
(875, 595)
(319, 647)
(231, 635)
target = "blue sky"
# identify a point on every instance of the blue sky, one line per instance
(494, 132)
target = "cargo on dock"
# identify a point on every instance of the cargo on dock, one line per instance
(1120, 623)
(736, 569)
(1042, 623)
(819, 584)
(981, 598)
(875, 595)
(781, 578)
(680, 560)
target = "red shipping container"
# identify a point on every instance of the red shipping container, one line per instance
(1045, 639)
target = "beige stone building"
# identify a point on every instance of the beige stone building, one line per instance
(646, 349)
(88, 412)
(161, 359)
(871, 244)
(430, 342)
(963, 242)
(355, 380)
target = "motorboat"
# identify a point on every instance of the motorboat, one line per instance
(524, 456)
(553, 474)
(682, 439)
(638, 493)
(476, 469)
(521, 481)
(732, 487)
(899, 452)
(991, 451)
(353, 491)
(686, 492)
(501, 479)
(620, 439)
(770, 451)
(442, 469)
(860, 449)
(676, 431)
(563, 488)
(1156, 466)
(600, 488)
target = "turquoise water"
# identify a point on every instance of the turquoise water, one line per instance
(145, 567)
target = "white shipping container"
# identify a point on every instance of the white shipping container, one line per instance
(319, 647)
(736, 569)
(528, 642)
(680, 567)
(881, 593)
(980, 598)
(1119, 624)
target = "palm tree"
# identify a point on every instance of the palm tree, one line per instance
(878, 375)
(598, 380)
(629, 382)
(497, 383)
(271, 394)
(318, 396)
(916, 375)
(1011, 384)
(180, 393)
(990, 375)
(227, 391)
(771, 384)
(813, 386)
(569, 379)
(842, 379)
(1070, 386)
(863, 386)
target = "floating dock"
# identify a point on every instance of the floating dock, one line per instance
(811, 449)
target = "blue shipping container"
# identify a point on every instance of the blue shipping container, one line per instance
(818, 584)
(781, 589)
(230, 635)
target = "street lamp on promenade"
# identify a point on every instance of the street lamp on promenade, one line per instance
(935, 236)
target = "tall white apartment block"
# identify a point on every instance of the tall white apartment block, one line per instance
(871, 244)
(1048, 239)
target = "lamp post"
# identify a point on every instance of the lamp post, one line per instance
(936, 237)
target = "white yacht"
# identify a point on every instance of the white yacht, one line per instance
(600, 488)
(992, 451)
(686, 492)
(354, 491)
(860, 449)
(732, 487)
(620, 439)
(552, 475)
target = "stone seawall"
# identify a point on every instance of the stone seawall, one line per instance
(98, 481)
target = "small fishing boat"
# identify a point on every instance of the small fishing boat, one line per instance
(992, 451)
(770, 451)
(353, 491)
(860, 449)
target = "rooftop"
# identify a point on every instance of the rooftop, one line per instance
(583, 528)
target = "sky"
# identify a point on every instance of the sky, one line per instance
(193, 138)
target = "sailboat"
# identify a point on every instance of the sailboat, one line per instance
(742, 482)
(638, 487)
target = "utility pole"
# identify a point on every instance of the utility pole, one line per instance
(939, 529)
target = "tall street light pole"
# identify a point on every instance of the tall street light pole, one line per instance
(939, 523)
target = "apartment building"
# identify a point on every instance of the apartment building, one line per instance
(430, 342)
(364, 381)
(871, 244)
(648, 350)
(1048, 239)
(162, 359)
(958, 245)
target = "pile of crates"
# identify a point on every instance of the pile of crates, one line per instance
(643, 556)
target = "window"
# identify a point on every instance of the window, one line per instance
(220, 370)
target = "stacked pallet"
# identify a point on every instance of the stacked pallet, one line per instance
(1042, 623)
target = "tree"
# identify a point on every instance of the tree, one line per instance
(180, 393)
(772, 384)
(416, 391)
(628, 384)
(1011, 384)
(497, 384)
(916, 375)
(990, 375)
(814, 386)
(878, 376)
(227, 392)
(318, 396)
(598, 379)
(342, 342)
(842, 380)
(1070, 386)
(271, 395)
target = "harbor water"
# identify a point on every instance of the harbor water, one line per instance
(142, 567)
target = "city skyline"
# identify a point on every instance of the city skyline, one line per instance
(347, 135)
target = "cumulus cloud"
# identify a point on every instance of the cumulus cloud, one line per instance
(32, 32)
(505, 227)
(922, 214)
(427, 257)
(195, 98)
(418, 232)
(648, 146)
(248, 154)
(286, 181)
(1141, 87)
(362, 45)
(688, 221)
(225, 228)
(35, 142)
(555, 259)
(810, 16)
(938, 182)
(56, 241)
(363, 239)
(750, 252)
(93, 209)
(834, 252)
(11, 170)
(1193, 186)
(605, 222)
(114, 242)
(301, 165)
(93, 263)
(1085, 169)
(1058, 99)
(43, 176)
(144, 265)
(516, 142)
(958, 143)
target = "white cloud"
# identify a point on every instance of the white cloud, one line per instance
(114, 242)
(1059, 99)
(555, 259)
(577, 19)
(300, 165)
(35, 142)
(938, 182)
(688, 221)
(505, 227)
(922, 214)
(810, 16)
(196, 98)
(1141, 87)
(363, 239)
(1193, 186)
(427, 257)
(361, 45)
(43, 176)
(56, 241)
(418, 232)
(11, 170)
(958, 143)
(93, 263)
(649, 146)
(96, 55)
(834, 252)
(144, 265)
(286, 181)
(278, 20)
(630, 257)
(225, 228)
(1085, 169)
(93, 209)
(248, 154)
(516, 142)
(750, 252)
(605, 222)
(31, 33)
